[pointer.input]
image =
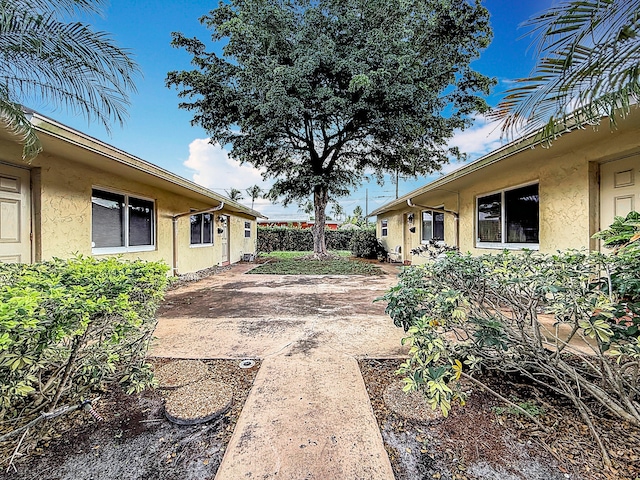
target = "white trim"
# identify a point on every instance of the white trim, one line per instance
(126, 248)
(200, 245)
(212, 225)
(508, 246)
(116, 250)
(504, 245)
(433, 212)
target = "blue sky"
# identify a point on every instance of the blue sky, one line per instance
(159, 132)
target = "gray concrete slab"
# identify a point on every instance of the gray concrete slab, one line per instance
(308, 415)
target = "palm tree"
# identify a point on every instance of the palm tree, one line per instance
(254, 192)
(47, 58)
(588, 68)
(234, 194)
(337, 211)
(308, 209)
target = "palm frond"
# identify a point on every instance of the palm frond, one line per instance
(588, 68)
(47, 59)
(13, 118)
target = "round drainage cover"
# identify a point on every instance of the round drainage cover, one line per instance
(247, 364)
(199, 402)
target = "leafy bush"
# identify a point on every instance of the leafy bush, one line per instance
(624, 237)
(68, 328)
(465, 313)
(287, 239)
(365, 244)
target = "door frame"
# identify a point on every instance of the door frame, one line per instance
(21, 193)
(225, 246)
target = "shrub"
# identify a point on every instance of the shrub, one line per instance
(289, 239)
(68, 328)
(365, 244)
(465, 313)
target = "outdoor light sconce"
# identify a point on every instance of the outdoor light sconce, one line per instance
(410, 218)
(222, 219)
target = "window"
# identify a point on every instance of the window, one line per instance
(383, 228)
(247, 229)
(202, 229)
(432, 225)
(121, 223)
(509, 217)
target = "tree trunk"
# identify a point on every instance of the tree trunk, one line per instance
(320, 200)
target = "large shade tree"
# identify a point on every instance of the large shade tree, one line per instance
(48, 58)
(588, 68)
(321, 93)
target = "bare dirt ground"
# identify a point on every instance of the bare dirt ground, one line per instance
(485, 440)
(134, 440)
(481, 441)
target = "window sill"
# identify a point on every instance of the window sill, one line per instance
(200, 245)
(119, 250)
(439, 243)
(508, 246)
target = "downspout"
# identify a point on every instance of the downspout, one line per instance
(456, 217)
(174, 269)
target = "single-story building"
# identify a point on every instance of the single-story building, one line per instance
(83, 196)
(524, 195)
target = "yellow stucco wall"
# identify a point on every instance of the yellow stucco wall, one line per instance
(239, 243)
(64, 223)
(394, 230)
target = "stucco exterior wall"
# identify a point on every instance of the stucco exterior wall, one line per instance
(64, 221)
(239, 244)
(394, 230)
(567, 175)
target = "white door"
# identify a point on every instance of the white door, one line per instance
(619, 189)
(224, 237)
(15, 217)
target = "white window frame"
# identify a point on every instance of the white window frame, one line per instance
(433, 213)
(247, 229)
(505, 245)
(384, 227)
(126, 248)
(213, 231)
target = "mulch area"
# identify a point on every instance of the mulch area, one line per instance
(486, 440)
(133, 439)
(483, 440)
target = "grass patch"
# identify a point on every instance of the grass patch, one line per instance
(282, 255)
(298, 266)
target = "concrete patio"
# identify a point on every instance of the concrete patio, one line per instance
(308, 415)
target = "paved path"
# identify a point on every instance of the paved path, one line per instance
(308, 416)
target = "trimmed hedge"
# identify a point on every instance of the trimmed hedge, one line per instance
(289, 239)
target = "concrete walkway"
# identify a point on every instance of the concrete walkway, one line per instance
(308, 415)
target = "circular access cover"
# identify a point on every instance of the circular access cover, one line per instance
(180, 373)
(411, 405)
(199, 402)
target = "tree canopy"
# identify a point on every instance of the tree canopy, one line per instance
(321, 93)
(46, 57)
(589, 59)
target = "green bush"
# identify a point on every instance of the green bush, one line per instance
(291, 239)
(464, 314)
(365, 244)
(71, 327)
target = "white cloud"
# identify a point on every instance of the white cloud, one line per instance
(479, 139)
(215, 170)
